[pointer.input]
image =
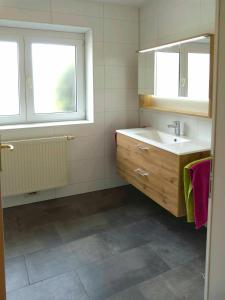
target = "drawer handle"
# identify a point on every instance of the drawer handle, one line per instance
(141, 172)
(142, 147)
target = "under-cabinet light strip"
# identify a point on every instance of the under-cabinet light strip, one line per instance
(173, 44)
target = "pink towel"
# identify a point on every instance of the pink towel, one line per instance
(200, 178)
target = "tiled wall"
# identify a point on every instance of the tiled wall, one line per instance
(163, 21)
(115, 30)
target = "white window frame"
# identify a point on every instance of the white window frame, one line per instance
(25, 38)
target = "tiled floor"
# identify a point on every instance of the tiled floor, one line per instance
(114, 244)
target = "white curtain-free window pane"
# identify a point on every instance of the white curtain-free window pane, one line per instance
(9, 81)
(54, 78)
(167, 74)
(198, 75)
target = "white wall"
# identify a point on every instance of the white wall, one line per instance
(216, 268)
(163, 21)
(115, 31)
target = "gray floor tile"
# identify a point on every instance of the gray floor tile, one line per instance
(63, 287)
(16, 273)
(76, 229)
(194, 289)
(133, 235)
(31, 240)
(157, 289)
(51, 262)
(127, 214)
(186, 281)
(132, 293)
(89, 250)
(48, 263)
(105, 278)
(118, 240)
(173, 250)
(122, 238)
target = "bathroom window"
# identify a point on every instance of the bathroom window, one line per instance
(42, 77)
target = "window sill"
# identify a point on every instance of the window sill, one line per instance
(43, 125)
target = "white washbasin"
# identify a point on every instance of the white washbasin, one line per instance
(162, 137)
(179, 145)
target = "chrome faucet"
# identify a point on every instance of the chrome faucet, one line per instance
(176, 126)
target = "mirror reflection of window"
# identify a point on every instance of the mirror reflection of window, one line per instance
(198, 75)
(167, 74)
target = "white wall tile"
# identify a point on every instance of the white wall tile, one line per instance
(26, 133)
(99, 100)
(110, 167)
(84, 170)
(120, 54)
(90, 129)
(132, 119)
(96, 24)
(148, 32)
(25, 15)
(121, 99)
(99, 77)
(84, 8)
(72, 189)
(98, 54)
(27, 4)
(122, 12)
(120, 31)
(114, 182)
(115, 120)
(91, 186)
(208, 13)
(86, 147)
(120, 77)
(205, 129)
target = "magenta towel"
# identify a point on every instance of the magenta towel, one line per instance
(200, 178)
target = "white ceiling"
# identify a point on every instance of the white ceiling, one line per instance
(124, 2)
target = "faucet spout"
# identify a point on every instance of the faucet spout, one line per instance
(176, 127)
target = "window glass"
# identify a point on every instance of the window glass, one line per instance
(54, 78)
(167, 74)
(198, 75)
(9, 79)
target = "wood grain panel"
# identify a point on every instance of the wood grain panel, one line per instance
(160, 174)
(150, 186)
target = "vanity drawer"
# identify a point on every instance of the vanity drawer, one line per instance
(161, 191)
(161, 163)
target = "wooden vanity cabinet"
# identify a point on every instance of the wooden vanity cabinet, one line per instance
(155, 172)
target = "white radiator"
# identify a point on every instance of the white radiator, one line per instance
(34, 165)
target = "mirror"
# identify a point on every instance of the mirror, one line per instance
(177, 77)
